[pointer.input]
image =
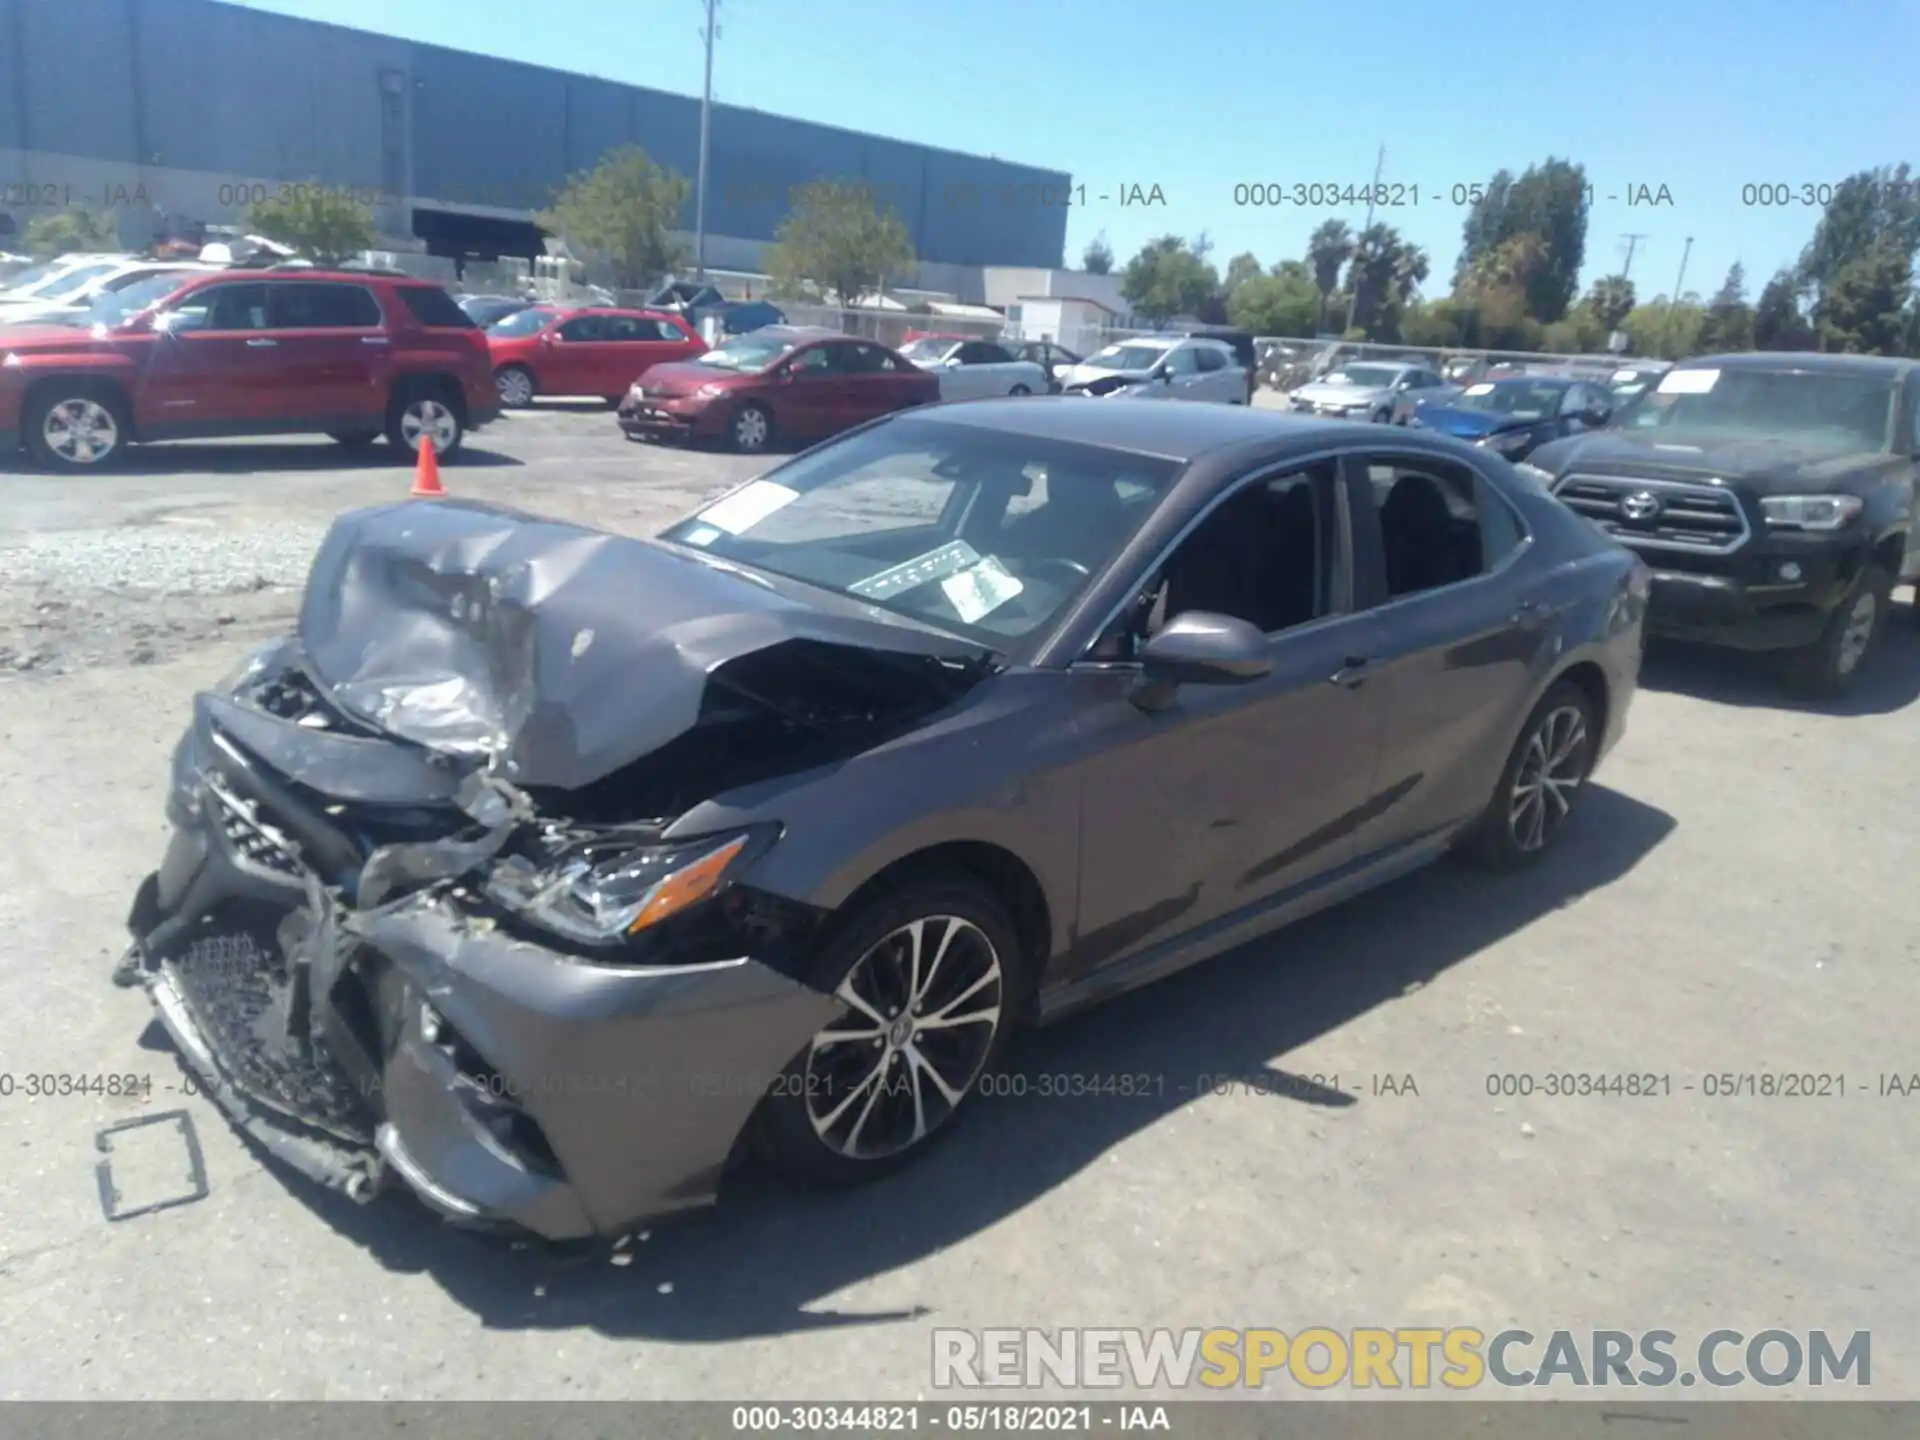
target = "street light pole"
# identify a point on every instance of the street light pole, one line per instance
(1666, 330)
(1353, 300)
(1633, 243)
(707, 34)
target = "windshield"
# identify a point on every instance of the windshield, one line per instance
(928, 348)
(116, 307)
(750, 352)
(1129, 357)
(1371, 377)
(523, 322)
(75, 279)
(26, 280)
(985, 534)
(1520, 399)
(1836, 412)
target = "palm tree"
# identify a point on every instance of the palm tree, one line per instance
(1328, 251)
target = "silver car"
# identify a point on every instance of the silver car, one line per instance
(1365, 390)
(1161, 367)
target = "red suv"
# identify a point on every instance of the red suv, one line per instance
(557, 350)
(247, 352)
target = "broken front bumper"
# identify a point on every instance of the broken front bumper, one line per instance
(509, 1084)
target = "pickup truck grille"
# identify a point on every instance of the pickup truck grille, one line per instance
(1658, 514)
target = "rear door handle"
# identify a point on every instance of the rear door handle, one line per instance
(1351, 675)
(262, 344)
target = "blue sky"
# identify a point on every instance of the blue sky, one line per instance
(1198, 98)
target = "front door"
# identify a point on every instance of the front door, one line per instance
(813, 402)
(874, 383)
(214, 363)
(1235, 797)
(574, 359)
(333, 352)
(1459, 640)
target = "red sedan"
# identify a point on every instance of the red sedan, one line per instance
(779, 381)
(558, 350)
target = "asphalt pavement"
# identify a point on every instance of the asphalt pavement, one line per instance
(1315, 1133)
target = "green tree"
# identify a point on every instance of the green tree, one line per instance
(1242, 268)
(1665, 328)
(1579, 333)
(1728, 326)
(839, 240)
(66, 231)
(1777, 321)
(1097, 258)
(1869, 209)
(1285, 302)
(1610, 300)
(624, 211)
(1384, 274)
(1863, 309)
(1440, 324)
(1548, 200)
(1329, 249)
(1169, 277)
(327, 226)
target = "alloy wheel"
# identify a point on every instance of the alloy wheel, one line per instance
(516, 387)
(926, 1005)
(1857, 634)
(429, 417)
(80, 431)
(1552, 768)
(750, 428)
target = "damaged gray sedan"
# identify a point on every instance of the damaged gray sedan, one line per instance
(546, 871)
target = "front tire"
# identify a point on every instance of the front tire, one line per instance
(751, 429)
(516, 387)
(1832, 665)
(78, 427)
(928, 973)
(419, 410)
(1541, 782)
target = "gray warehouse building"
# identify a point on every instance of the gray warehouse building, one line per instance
(174, 113)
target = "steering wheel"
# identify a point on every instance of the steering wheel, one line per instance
(1062, 562)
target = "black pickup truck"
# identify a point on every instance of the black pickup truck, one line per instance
(1773, 495)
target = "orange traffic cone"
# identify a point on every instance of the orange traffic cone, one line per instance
(426, 474)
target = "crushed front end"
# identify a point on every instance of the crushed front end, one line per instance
(342, 942)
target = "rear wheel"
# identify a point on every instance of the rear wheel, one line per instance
(1832, 665)
(424, 410)
(77, 426)
(1541, 782)
(927, 973)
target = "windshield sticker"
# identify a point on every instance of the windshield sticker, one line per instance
(978, 592)
(702, 535)
(912, 574)
(748, 506)
(1479, 390)
(1621, 375)
(1688, 382)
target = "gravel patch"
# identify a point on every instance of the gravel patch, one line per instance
(181, 558)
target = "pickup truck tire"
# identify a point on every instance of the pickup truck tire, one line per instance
(77, 426)
(422, 407)
(1832, 665)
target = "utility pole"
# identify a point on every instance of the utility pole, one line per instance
(708, 34)
(1353, 300)
(1633, 243)
(1666, 330)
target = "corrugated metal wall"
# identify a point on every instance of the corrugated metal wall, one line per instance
(196, 85)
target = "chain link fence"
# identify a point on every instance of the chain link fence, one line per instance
(1287, 362)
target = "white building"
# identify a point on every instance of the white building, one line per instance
(1070, 307)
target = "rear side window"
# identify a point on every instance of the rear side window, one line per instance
(323, 306)
(431, 305)
(1439, 524)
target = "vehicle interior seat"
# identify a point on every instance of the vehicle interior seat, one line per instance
(1254, 558)
(1417, 531)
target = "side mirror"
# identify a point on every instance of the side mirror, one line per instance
(1199, 648)
(784, 375)
(1163, 372)
(1597, 416)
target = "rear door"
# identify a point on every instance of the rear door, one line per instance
(815, 402)
(1187, 382)
(214, 362)
(876, 383)
(1459, 638)
(333, 353)
(572, 363)
(628, 347)
(1218, 379)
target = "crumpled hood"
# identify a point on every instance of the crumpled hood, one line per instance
(557, 652)
(1781, 466)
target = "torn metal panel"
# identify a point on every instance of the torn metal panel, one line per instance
(557, 653)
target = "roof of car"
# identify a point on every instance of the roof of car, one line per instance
(1809, 360)
(1170, 431)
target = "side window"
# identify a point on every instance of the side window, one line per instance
(584, 327)
(1183, 362)
(223, 308)
(665, 330)
(1267, 555)
(434, 307)
(1210, 360)
(625, 329)
(322, 306)
(867, 360)
(1439, 524)
(976, 352)
(821, 360)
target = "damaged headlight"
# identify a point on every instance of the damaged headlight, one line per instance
(269, 658)
(604, 892)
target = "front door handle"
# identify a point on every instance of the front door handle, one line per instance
(1352, 674)
(262, 344)
(1529, 614)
